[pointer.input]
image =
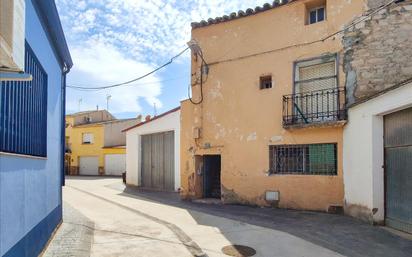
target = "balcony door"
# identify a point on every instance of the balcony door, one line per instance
(316, 94)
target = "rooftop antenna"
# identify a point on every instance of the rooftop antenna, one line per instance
(80, 102)
(108, 97)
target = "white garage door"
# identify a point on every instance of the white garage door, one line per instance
(114, 164)
(89, 165)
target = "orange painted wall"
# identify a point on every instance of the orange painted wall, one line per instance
(240, 121)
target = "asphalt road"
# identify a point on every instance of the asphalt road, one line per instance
(130, 222)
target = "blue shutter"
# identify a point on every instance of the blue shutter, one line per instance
(23, 111)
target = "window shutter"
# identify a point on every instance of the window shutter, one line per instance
(317, 71)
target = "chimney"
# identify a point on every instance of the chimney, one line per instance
(147, 118)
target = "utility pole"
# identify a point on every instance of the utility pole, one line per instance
(80, 102)
(108, 97)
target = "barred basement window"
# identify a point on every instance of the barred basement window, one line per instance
(311, 159)
(23, 111)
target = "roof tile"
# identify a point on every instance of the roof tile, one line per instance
(241, 13)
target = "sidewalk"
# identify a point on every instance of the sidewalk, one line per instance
(73, 238)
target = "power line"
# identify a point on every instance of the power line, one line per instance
(133, 80)
(130, 85)
(365, 16)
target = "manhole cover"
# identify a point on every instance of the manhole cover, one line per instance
(238, 250)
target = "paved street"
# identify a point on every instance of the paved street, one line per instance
(130, 222)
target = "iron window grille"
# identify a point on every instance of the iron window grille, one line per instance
(23, 111)
(316, 97)
(308, 159)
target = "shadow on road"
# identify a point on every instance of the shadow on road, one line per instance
(338, 233)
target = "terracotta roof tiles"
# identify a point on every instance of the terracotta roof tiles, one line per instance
(241, 13)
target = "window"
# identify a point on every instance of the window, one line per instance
(316, 95)
(88, 138)
(23, 111)
(311, 159)
(87, 119)
(315, 74)
(316, 14)
(265, 82)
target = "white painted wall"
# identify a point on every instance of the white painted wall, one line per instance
(363, 149)
(169, 122)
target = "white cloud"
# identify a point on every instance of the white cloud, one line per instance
(100, 64)
(113, 40)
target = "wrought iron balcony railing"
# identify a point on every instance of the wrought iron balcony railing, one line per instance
(327, 105)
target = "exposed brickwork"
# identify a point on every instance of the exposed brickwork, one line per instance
(378, 52)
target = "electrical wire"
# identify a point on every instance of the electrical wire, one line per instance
(132, 85)
(354, 23)
(201, 81)
(133, 80)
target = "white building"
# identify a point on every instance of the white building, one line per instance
(152, 152)
(377, 158)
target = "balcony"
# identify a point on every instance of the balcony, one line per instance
(314, 108)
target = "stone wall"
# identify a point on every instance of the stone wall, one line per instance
(377, 51)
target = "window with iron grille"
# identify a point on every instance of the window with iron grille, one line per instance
(265, 82)
(310, 159)
(23, 111)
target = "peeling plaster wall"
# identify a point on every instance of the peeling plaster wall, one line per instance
(377, 57)
(239, 121)
(377, 51)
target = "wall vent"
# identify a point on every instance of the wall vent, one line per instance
(272, 196)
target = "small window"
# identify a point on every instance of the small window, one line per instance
(317, 14)
(311, 159)
(265, 82)
(87, 138)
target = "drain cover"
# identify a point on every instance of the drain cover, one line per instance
(238, 250)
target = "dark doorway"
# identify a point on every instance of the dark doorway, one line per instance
(211, 178)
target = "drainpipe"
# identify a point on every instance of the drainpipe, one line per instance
(63, 122)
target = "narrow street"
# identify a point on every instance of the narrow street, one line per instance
(126, 222)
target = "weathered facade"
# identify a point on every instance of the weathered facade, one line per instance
(377, 50)
(266, 126)
(377, 138)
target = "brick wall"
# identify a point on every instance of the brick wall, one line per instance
(378, 51)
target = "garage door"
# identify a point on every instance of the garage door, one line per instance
(114, 164)
(398, 169)
(89, 165)
(157, 157)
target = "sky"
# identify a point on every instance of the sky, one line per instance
(113, 41)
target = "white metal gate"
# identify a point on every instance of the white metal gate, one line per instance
(89, 165)
(114, 164)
